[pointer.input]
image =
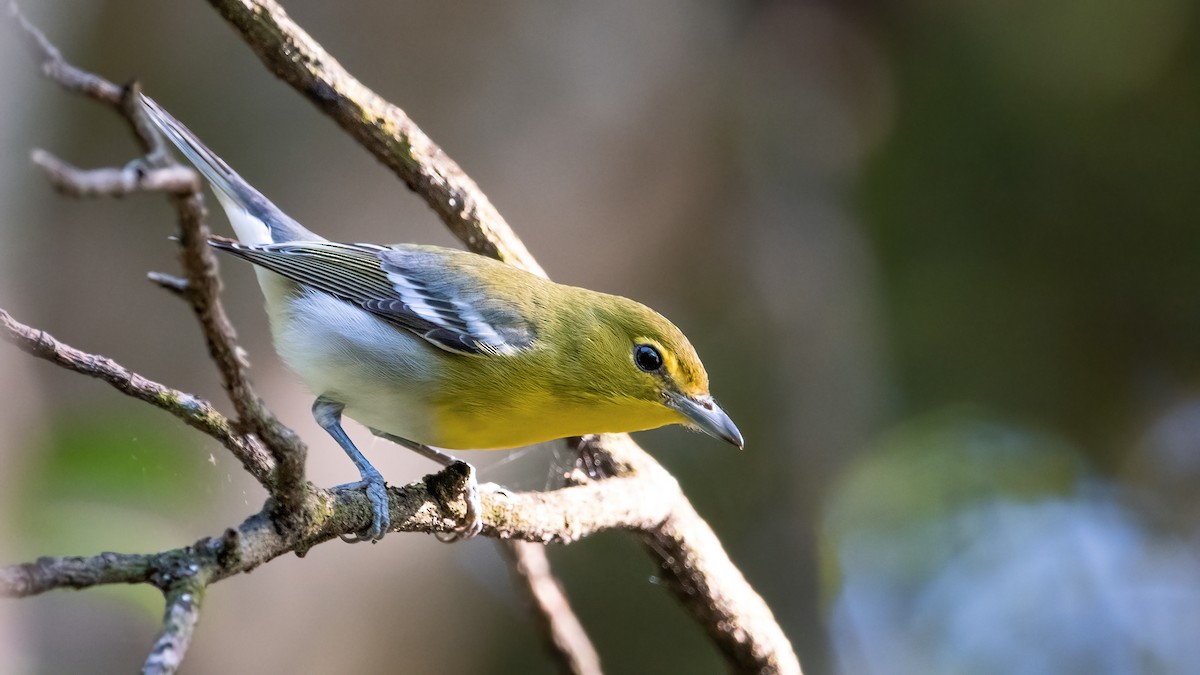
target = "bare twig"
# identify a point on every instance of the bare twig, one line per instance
(90, 85)
(57, 69)
(109, 182)
(566, 639)
(195, 412)
(286, 484)
(169, 282)
(179, 621)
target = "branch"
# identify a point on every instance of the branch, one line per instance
(195, 412)
(75, 182)
(566, 639)
(641, 496)
(174, 285)
(57, 69)
(559, 516)
(46, 573)
(203, 287)
(202, 292)
(179, 621)
(381, 128)
(387, 132)
(707, 582)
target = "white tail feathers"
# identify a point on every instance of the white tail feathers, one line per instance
(249, 230)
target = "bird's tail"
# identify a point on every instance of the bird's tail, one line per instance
(254, 218)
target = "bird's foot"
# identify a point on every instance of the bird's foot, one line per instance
(377, 493)
(472, 522)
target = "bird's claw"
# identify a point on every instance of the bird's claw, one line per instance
(472, 522)
(381, 522)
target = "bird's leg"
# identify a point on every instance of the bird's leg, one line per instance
(328, 414)
(472, 521)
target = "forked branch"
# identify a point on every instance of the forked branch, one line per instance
(637, 495)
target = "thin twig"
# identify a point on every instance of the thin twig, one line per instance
(179, 622)
(90, 85)
(566, 640)
(195, 412)
(287, 483)
(177, 286)
(57, 69)
(111, 182)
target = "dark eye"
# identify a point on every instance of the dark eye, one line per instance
(647, 358)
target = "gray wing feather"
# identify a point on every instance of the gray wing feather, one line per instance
(409, 288)
(490, 319)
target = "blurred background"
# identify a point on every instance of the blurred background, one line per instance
(941, 259)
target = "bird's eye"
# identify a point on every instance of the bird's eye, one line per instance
(647, 358)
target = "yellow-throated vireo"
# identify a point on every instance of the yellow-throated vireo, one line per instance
(437, 348)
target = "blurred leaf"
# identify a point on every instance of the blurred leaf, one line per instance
(109, 481)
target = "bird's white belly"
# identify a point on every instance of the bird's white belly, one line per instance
(383, 375)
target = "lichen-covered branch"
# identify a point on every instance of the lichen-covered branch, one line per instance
(46, 574)
(203, 287)
(558, 516)
(179, 622)
(638, 495)
(382, 128)
(195, 412)
(387, 132)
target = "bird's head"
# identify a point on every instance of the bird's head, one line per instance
(650, 361)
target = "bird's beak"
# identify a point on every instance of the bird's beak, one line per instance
(707, 416)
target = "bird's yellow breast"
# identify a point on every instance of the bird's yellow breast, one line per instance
(504, 424)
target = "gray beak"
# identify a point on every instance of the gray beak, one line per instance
(707, 416)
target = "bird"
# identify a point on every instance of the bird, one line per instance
(441, 349)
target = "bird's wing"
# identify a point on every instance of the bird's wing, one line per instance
(410, 287)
